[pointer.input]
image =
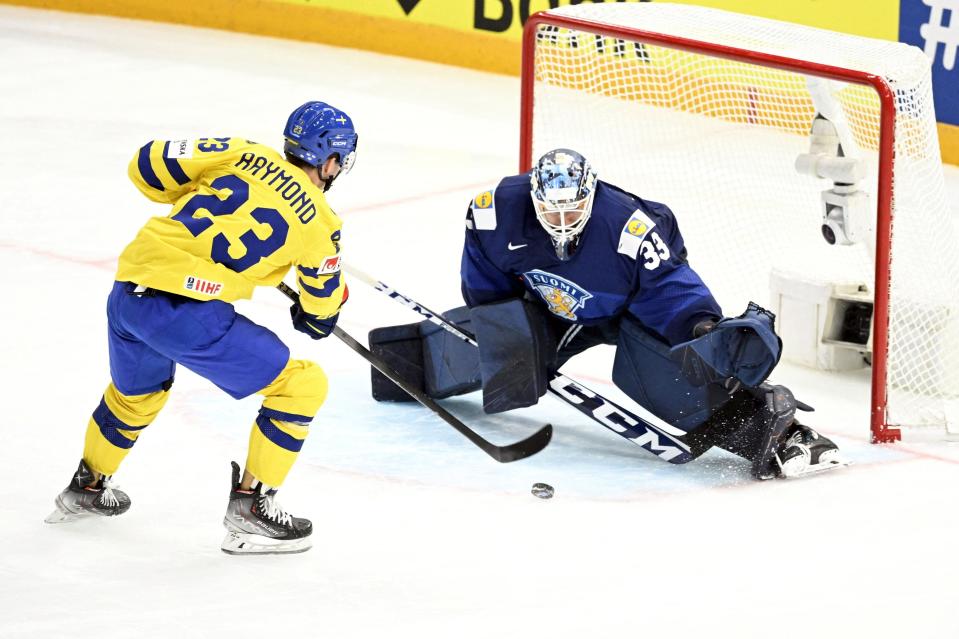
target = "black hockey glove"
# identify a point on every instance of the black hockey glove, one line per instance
(704, 326)
(310, 324)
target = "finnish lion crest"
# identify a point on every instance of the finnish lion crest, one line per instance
(562, 297)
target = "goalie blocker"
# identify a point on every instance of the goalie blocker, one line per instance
(711, 387)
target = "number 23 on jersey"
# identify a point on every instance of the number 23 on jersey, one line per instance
(239, 194)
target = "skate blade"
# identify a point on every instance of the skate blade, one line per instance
(237, 543)
(833, 462)
(60, 517)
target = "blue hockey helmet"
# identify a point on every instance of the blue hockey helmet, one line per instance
(316, 130)
(562, 185)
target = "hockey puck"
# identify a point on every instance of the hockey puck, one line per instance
(543, 491)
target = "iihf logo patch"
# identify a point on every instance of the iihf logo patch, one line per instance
(198, 285)
(563, 297)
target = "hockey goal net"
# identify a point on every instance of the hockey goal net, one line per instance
(707, 111)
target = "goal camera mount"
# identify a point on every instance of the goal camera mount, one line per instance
(846, 212)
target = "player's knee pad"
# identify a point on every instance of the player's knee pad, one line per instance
(517, 353)
(299, 390)
(426, 356)
(116, 424)
(282, 425)
(644, 370)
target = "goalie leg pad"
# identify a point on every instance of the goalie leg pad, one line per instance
(755, 424)
(779, 410)
(428, 356)
(450, 365)
(644, 370)
(517, 351)
(401, 348)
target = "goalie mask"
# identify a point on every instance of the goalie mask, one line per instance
(562, 187)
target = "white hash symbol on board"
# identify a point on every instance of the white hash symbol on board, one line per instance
(942, 28)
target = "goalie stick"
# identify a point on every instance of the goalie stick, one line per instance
(654, 439)
(512, 452)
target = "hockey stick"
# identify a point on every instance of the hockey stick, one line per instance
(519, 450)
(650, 437)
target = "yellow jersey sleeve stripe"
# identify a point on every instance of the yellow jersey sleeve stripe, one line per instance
(145, 168)
(173, 167)
(329, 287)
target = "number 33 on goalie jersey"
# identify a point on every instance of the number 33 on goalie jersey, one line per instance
(242, 216)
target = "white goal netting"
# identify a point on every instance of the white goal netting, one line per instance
(716, 139)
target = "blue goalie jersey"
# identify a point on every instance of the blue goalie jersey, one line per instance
(630, 259)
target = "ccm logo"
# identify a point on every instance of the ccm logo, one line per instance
(616, 421)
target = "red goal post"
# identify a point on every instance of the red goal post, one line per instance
(586, 69)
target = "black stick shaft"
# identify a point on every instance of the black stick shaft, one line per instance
(524, 448)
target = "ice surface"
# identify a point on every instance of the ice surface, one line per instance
(418, 533)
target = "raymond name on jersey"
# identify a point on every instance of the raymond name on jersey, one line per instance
(242, 216)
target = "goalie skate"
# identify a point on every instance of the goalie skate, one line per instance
(257, 525)
(806, 452)
(83, 497)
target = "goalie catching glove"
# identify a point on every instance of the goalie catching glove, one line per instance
(314, 326)
(744, 348)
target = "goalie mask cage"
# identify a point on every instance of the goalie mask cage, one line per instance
(707, 110)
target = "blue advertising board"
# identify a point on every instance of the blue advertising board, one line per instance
(933, 26)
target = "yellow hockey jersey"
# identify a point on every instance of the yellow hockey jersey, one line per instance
(242, 216)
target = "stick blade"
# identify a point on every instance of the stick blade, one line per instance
(526, 447)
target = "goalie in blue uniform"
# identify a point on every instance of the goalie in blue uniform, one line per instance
(556, 261)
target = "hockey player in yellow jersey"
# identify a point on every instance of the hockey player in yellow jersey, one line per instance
(243, 215)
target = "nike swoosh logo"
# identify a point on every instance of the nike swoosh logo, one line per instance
(513, 248)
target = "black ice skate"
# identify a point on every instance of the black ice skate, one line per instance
(80, 498)
(806, 452)
(257, 524)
